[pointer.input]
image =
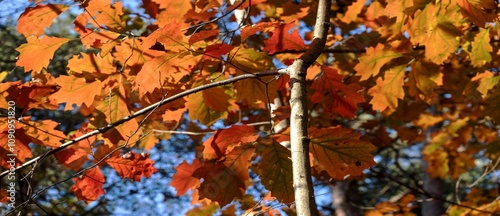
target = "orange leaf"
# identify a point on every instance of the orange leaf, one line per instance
(340, 152)
(71, 91)
(216, 145)
(182, 180)
(76, 155)
(154, 72)
(15, 147)
(335, 96)
(88, 187)
(284, 40)
(30, 57)
(91, 63)
(353, 11)
(375, 58)
(487, 81)
(169, 36)
(44, 133)
(248, 31)
(34, 20)
(133, 166)
(479, 11)
(387, 92)
(202, 35)
(481, 48)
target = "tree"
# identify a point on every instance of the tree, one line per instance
(349, 81)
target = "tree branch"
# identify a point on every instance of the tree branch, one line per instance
(146, 110)
(302, 182)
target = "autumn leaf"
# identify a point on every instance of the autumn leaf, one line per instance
(339, 151)
(217, 144)
(88, 187)
(202, 35)
(260, 92)
(387, 92)
(217, 50)
(169, 36)
(17, 147)
(220, 183)
(487, 80)
(71, 91)
(44, 133)
(206, 108)
(77, 154)
(376, 57)
(91, 63)
(275, 170)
(334, 95)
(182, 180)
(479, 11)
(424, 77)
(34, 20)
(132, 166)
(30, 57)
(353, 11)
(481, 48)
(108, 15)
(248, 31)
(284, 40)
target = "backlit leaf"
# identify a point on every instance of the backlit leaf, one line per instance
(217, 144)
(30, 53)
(481, 48)
(387, 92)
(370, 64)
(132, 166)
(71, 91)
(34, 20)
(487, 80)
(339, 151)
(88, 187)
(479, 11)
(182, 180)
(284, 40)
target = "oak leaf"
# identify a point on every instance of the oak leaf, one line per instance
(479, 11)
(334, 95)
(387, 92)
(353, 11)
(183, 180)
(375, 58)
(481, 48)
(88, 187)
(71, 91)
(30, 56)
(275, 170)
(487, 80)
(132, 165)
(284, 39)
(217, 50)
(217, 144)
(340, 152)
(34, 20)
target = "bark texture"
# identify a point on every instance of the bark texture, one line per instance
(302, 182)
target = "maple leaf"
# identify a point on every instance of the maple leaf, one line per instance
(284, 40)
(132, 166)
(183, 180)
(376, 57)
(71, 91)
(487, 81)
(88, 187)
(30, 57)
(479, 11)
(339, 151)
(334, 95)
(481, 48)
(216, 145)
(353, 11)
(387, 92)
(275, 170)
(34, 20)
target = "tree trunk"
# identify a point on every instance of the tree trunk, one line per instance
(433, 186)
(302, 182)
(343, 193)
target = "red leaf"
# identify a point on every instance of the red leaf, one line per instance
(247, 31)
(334, 95)
(282, 40)
(216, 50)
(479, 11)
(88, 187)
(133, 166)
(216, 145)
(182, 180)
